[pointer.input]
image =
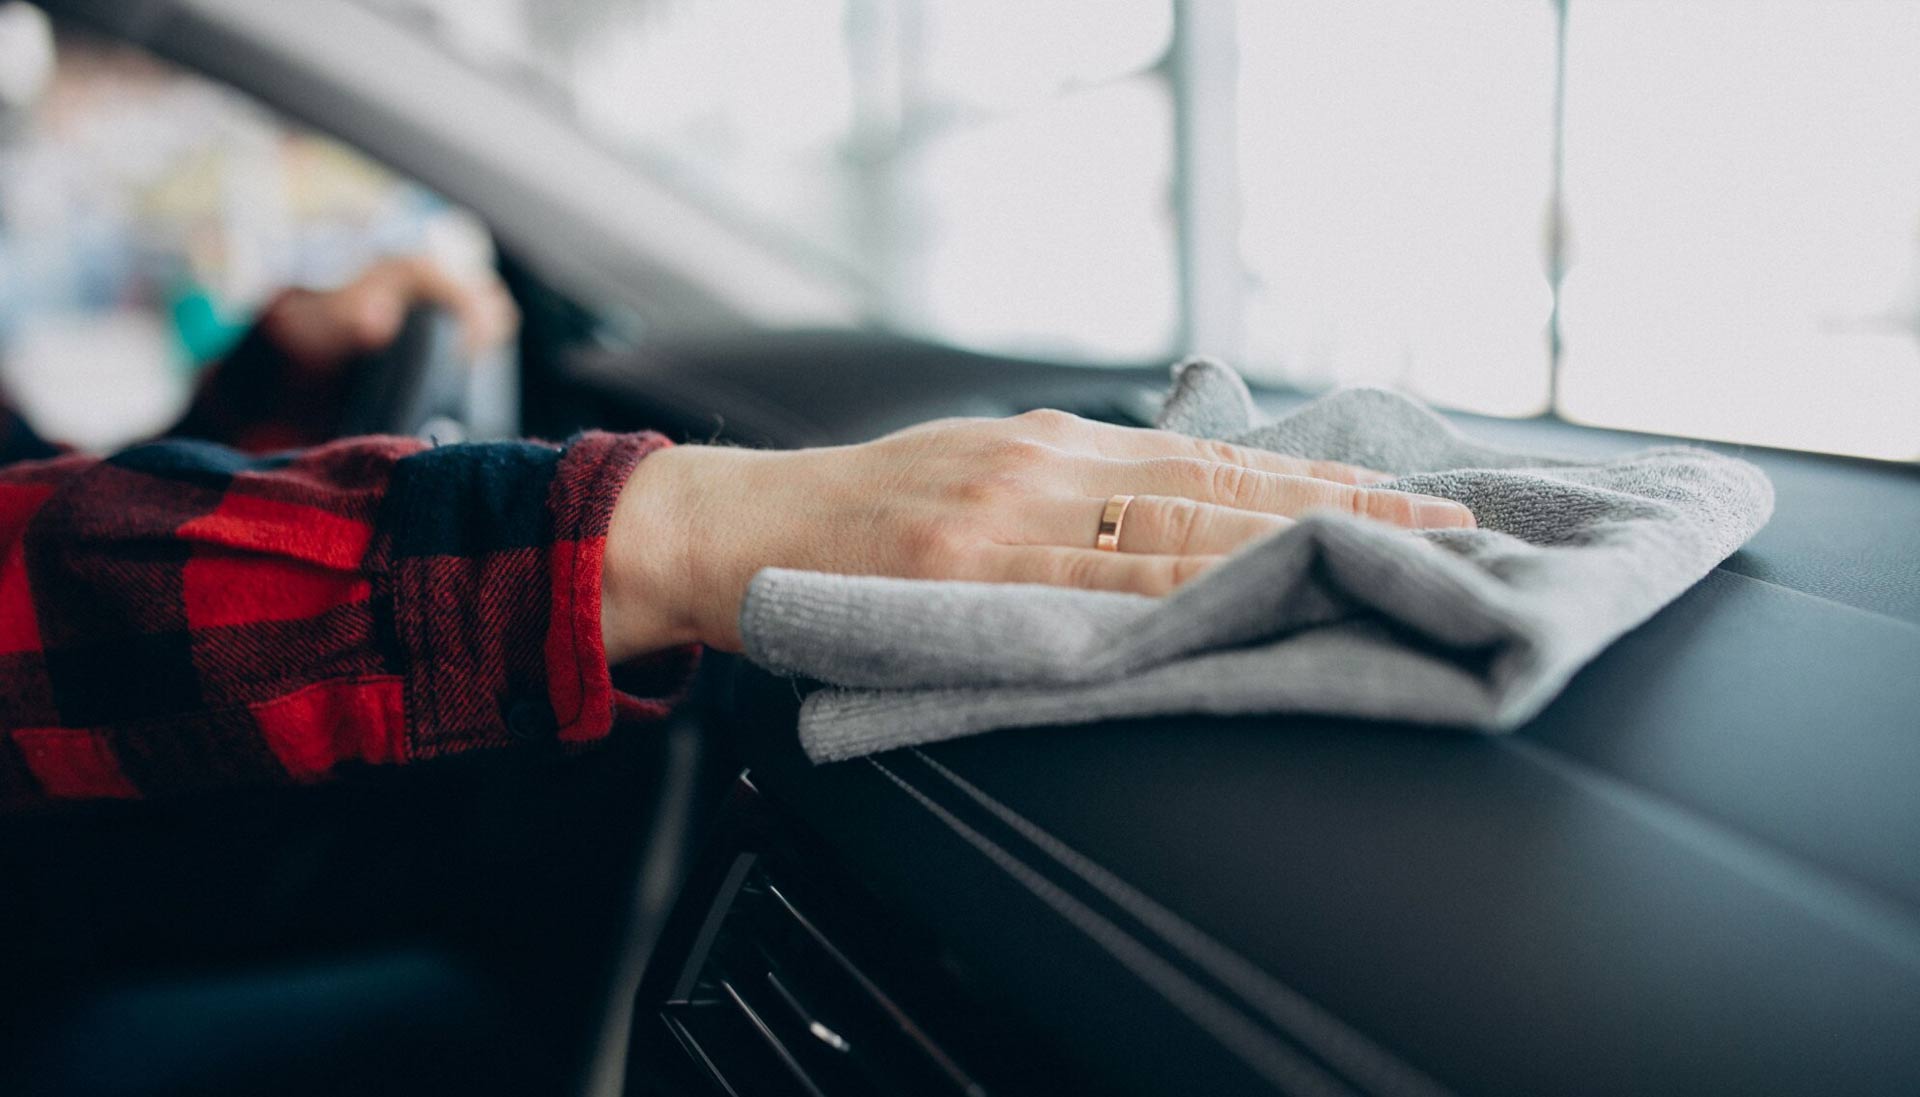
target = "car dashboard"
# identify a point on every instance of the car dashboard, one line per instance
(1695, 872)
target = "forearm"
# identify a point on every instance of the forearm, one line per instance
(178, 617)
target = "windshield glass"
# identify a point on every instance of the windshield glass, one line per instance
(1698, 217)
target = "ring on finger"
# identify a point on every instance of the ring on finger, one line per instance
(1111, 516)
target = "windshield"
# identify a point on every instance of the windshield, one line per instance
(1699, 218)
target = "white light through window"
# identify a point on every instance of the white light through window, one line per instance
(1049, 231)
(1397, 168)
(1743, 182)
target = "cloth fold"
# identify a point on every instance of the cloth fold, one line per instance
(1336, 614)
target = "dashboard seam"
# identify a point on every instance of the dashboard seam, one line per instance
(1723, 569)
(1285, 1068)
(1305, 1020)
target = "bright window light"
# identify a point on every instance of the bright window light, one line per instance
(1005, 54)
(1397, 170)
(1048, 231)
(1743, 184)
(1691, 217)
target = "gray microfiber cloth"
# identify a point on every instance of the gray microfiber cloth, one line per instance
(1335, 614)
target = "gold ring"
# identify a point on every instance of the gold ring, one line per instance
(1108, 539)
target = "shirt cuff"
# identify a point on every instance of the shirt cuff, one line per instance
(587, 696)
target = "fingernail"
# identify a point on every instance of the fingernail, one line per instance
(1442, 514)
(1372, 476)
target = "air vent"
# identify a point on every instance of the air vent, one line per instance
(778, 1006)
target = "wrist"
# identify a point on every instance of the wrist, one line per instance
(647, 598)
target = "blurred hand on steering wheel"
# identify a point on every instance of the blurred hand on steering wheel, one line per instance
(321, 331)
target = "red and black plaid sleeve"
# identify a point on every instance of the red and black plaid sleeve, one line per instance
(180, 616)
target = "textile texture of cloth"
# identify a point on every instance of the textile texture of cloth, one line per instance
(1336, 614)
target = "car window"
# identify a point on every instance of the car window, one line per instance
(997, 172)
(1689, 216)
(145, 215)
(1743, 193)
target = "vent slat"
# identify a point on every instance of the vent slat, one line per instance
(828, 1026)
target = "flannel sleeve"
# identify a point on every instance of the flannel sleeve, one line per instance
(179, 616)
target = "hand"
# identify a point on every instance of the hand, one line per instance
(1013, 500)
(323, 330)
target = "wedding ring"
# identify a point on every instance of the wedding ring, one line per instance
(1108, 539)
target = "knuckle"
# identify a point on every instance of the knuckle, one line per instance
(1364, 503)
(1384, 505)
(987, 489)
(1181, 522)
(1047, 421)
(932, 544)
(947, 431)
(1233, 484)
(1225, 453)
(1185, 476)
(1186, 569)
(1158, 576)
(1009, 468)
(1078, 570)
(1016, 456)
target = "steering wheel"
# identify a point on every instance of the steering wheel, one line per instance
(415, 383)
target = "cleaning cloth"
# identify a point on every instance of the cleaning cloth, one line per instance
(1336, 614)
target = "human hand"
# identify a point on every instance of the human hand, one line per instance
(1011, 500)
(322, 330)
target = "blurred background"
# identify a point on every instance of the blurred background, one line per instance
(1699, 218)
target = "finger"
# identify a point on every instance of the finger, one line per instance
(424, 282)
(488, 316)
(501, 316)
(370, 320)
(1091, 569)
(1139, 444)
(1246, 488)
(485, 311)
(1157, 525)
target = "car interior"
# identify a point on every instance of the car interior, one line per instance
(1696, 872)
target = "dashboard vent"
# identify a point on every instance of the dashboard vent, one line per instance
(771, 1004)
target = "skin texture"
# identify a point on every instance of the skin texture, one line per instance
(1010, 500)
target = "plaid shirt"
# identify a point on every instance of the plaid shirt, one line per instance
(181, 616)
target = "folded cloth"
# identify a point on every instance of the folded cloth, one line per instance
(1336, 614)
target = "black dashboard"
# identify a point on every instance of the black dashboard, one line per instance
(1697, 872)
